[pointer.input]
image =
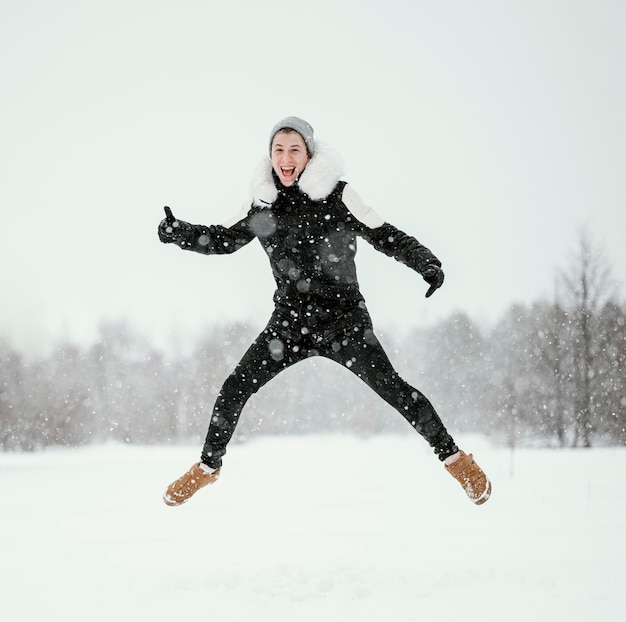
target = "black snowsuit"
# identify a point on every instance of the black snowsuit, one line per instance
(319, 309)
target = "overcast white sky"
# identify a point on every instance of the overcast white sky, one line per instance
(492, 131)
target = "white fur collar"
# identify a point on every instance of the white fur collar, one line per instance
(319, 178)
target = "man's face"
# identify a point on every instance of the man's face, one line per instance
(289, 156)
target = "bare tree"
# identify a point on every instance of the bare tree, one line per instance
(587, 287)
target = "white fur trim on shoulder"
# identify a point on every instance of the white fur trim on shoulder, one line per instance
(362, 212)
(264, 191)
(318, 180)
(322, 172)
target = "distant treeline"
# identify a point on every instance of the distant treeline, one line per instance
(549, 374)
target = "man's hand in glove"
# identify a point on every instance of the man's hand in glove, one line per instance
(171, 229)
(434, 276)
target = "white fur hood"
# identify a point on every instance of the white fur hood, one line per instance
(319, 178)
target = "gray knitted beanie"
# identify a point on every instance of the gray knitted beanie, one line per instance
(300, 126)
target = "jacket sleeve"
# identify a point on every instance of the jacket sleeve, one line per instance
(215, 239)
(401, 246)
(386, 238)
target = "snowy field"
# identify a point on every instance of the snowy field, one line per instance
(317, 529)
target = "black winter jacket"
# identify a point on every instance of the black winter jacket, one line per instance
(309, 233)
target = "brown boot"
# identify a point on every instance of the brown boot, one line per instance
(471, 477)
(184, 487)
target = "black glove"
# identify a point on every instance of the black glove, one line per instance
(433, 275)
(171, 229)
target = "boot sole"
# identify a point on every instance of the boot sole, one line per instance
(172, 502)
(486, 494)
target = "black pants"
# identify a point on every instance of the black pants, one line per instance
(344, 336)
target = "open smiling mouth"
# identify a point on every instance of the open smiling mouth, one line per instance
(288, 172)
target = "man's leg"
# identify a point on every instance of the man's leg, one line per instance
(271, 353)
(361, 352)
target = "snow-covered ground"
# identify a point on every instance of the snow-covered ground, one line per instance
(318, 528)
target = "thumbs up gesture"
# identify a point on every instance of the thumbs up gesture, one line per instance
(168, 227)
